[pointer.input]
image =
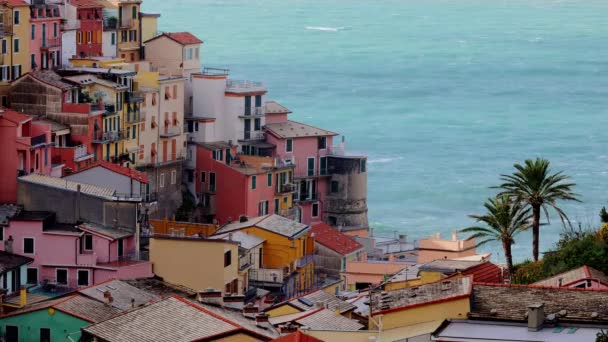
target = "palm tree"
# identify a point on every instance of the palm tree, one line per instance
(535, 186)
(503, 220)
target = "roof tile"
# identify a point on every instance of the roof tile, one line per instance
(334, 240)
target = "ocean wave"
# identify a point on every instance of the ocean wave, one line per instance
(383, 160)
(324, 28)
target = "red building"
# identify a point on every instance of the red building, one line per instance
(45, 40)
(231, 188)
(89, 35)
(25, 148)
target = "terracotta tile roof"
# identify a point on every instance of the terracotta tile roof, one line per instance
(51, 78)
(325, 319)
(272, 223)
(486, 272)
(9, 261)
(293, 129)
(297, 336)
(273, 107)
(171, 319)
(183, 38)
(74, 305)
(125, 171)
(334, 240)
(510, 302)
(573, 276)
(87, 3)
(443, 290)
(14, 116)
(17, 3)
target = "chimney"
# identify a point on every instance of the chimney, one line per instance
(107, 295)
(210, 296)
(536, 316)
(132, 303)
(454, 236)
(234, 299)
(8, 244)
(22, 296)
(77, 204)
(364, 257)
(319, 305)
(261, 318)
(250, 308)
(289, 328)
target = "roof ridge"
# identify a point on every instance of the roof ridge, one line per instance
(200, 308)
(530, 286)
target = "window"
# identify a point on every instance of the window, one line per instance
(61, 276)
(161, 181)
(4, 46)
(12, 332)
(188, 54)
(88, 242)
(134, 12)
(323, 166)
(113, 38)
(276, 206)
(263, 208)
(32, 276)
(83, 277)
(254, 180)
(33, 31)
(1, 234)
(16, 71)
(33, 62)
(211, 181)
(134, 132)
(363, 166)
(257, 123)
(335, 186)
(5, 72)
(315, 210)
(227, 258)
(45, 335)
(269, 179)
(28, 245)
(54, 29)
(46, 157)
(175, 93)
(17, 17)
(311, 166)
(289, 145)
(203, 176)
(16, 45)
(322, 142)
(196, 53)
(173, 177)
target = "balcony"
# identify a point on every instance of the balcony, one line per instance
(6, 28)
(251, 136)
(88, 259)
(51, 43)
(126, 22)
(136, 117)
(109, 137)
(285, 164)
(286, 188)
(215, 71)
(252, 112)
(156, 160)
(306, 197)
(244, 262)
(305, 260)
(38, 141)
(173, 131)
(266, 276)
(81, 108)
(244, 86)
(291, 213)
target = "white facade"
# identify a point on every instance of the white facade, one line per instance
(68, 46)
(108, 45)
(100, 176)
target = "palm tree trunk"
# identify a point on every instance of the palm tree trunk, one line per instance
(535, 230)
(507, 247)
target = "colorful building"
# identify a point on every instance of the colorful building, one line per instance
(309, 302)
(129, 30)
(362, 273)
(26, 148)
(583, 277)
(45, 36)
(89, 36)
(287, 266)
(203, 263)
(14, 273)
(15, 49)
(334, 250)
(434, 247)
(149, 26)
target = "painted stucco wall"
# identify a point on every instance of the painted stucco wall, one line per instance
(68, 46)
(22, 32)
(29, 324)
(455, 309)
(195, 264)
(108, 47)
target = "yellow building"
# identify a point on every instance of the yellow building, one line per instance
(129, 37)
(444, 299)
(411, 276)
(196, 263)
(287, 253)
(15, 35)
(149, 25)
(97, 62)
(310, 302)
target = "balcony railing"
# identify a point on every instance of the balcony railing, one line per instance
(171, 131)
(244, 262)
(50, 43)
(136, 117)
(306, 197)
(282, 163)
(253, 111)
(240, 85)
(126, 22)
(286, 188)
(88, 259)
(108, 137)
(80, 152)
(6, 28)
(305, 260)
(38, 140)
(55, 286)
(267, 275)
(291, 213)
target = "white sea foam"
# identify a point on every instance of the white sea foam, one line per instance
(324, 28)
(383, 160)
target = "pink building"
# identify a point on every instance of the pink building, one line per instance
(583, 277)
(72, 256)
(25, 148)
(434, 247)
(45, 36)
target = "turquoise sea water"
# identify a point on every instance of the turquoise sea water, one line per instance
(442, 95)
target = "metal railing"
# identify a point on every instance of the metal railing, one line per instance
(286, 188)
(6, 28)
(80, 152)
(135, 117)
(306, 197)
(254, 111)
(282, 163)
(215, 71)
(244, 262)
(52, 285)
(171, 131)
(234, 84)
(305, 260)
(266, 275)
(111, 136)
(50, 43)
(290, 213)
